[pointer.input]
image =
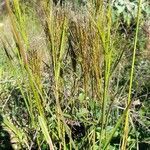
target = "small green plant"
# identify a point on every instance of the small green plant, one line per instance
(128, 10)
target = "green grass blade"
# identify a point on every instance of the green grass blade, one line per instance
(44, 128)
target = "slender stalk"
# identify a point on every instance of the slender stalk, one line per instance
(126, 130)
(21, 50)
(107, 65)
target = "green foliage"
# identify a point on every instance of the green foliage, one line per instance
(68, 90)
(128, 10)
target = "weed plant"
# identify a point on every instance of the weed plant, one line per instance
(66, 89)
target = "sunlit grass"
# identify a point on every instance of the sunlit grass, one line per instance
(80, 57)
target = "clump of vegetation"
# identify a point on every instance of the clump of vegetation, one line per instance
(74, 76)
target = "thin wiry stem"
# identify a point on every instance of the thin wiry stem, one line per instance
(125, 136)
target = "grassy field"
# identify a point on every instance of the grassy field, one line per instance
(74, 76)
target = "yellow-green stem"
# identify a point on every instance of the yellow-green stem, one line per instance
(125, 136)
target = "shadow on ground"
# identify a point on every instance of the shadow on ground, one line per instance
(5, 143)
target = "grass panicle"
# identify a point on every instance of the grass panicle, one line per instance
(75, 74)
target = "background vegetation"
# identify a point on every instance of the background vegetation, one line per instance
(75, 75)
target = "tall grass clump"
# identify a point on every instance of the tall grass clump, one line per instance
(68, 86)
